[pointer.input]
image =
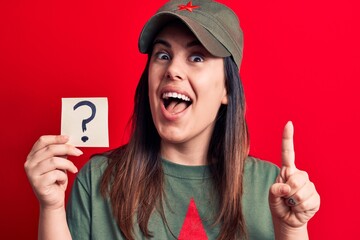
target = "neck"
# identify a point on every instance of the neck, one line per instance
(185, 153)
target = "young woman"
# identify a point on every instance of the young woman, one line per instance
(185, 173)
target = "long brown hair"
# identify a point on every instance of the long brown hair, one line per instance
(134, 178)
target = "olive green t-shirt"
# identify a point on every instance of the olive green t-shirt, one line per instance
(189, 206)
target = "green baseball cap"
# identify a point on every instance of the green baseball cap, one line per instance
(214, 24)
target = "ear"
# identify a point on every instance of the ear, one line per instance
(224, 100)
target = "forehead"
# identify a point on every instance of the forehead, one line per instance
(176, 31)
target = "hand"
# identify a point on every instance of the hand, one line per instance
(46, 167)
(293, 198)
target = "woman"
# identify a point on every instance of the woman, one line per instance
(185, 173)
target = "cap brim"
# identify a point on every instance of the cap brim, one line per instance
(158, 22)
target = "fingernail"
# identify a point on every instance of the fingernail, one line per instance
(65, 137)
(78, 152)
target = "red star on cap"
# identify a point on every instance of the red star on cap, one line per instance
(189, 7)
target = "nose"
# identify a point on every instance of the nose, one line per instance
(175, 70)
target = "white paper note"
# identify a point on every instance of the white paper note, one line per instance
(85, 121)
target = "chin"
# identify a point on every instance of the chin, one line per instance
(173, 138)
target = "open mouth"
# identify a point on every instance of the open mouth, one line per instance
(175, 102)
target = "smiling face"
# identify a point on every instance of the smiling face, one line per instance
(186, 87)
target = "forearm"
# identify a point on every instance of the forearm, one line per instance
(53, 225)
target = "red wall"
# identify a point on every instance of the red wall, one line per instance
(301, 63)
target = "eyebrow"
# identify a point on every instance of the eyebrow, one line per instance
(193, 43)
(167, 44)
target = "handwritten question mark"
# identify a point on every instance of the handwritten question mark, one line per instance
(87, 120)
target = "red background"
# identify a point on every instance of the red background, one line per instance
(301, 63)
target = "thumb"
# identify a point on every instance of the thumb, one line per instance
(279, 190)
(277, 193)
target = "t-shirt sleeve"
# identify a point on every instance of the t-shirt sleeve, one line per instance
(78, 211)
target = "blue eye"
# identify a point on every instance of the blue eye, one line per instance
(196, 58)
(163, 56)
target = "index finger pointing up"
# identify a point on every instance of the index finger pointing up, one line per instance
(288, 153)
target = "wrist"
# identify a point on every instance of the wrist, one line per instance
(46, 210)
(284, 231)
(52, 205)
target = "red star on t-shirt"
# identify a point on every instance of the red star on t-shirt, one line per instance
(189, 7)
(192, 227)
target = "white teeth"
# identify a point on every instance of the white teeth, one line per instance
(175, 95)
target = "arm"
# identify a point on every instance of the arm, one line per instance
(53, 225)
(46, 168)
(293, 199)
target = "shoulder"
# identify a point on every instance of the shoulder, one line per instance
(253, 162)
(93, 169)
(257, 168)
(95, 163)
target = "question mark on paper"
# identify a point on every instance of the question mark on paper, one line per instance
(87, 120)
